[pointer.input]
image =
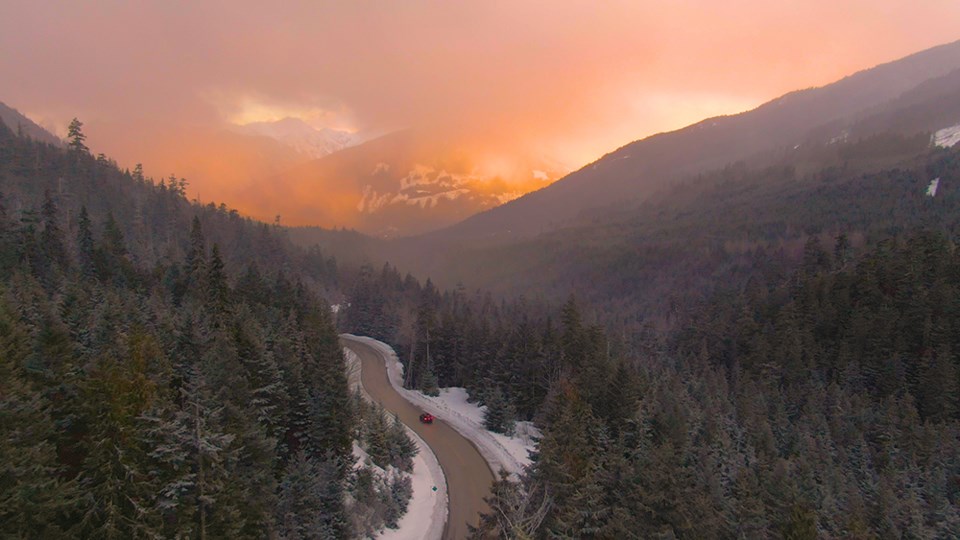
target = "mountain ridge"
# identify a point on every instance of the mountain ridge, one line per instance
(720, 140)
(20, 123)
(403, 183)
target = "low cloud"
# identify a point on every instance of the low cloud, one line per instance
(571, 79)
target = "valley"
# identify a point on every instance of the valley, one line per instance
(330, 272)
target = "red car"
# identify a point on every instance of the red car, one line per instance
(426, 418)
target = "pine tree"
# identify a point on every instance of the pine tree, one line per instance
(217, 290)
(85, 246)
(499, 416)
(8, 243)
(311, 501)
(377, 443)
(400, 446)
(191, 454)
(51, 238)
(76, 136)
(114, 474)
(138, 173)
(114, 262)
(196, 258)
(32, 493)
(939, 381)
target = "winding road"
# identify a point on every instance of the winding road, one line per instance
(468, 475)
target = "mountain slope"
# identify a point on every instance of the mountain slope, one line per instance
(403, 183)
(17, 122)
(638, 169)
(127, 321)
(646, 258)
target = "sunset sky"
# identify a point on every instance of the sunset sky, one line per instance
(570, 79)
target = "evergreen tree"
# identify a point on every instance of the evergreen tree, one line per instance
(76, 137)
(51, 238)
(499, 416)
(196, 258)
(217, 290)
(33, 494)
(85, 246)
(310, 502)
(114, 476)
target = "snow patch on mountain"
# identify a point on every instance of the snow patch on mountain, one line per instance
(371, 201)
(426, 187)
(841, 138)
(932, 188)
(301, 136)
(947, 137)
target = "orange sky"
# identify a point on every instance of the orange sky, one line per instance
(572, 79)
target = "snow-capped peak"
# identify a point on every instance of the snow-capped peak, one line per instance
(301, 136)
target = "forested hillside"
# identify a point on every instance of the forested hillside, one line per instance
(853, 107)
(648, 265)
(763, 352)
(824, 405)
(166, 369)
(783, 365)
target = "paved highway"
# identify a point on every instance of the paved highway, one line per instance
(468, 475)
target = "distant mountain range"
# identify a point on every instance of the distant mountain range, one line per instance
(400, 184)
(303, 138)
(614, 216)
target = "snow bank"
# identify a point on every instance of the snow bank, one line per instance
(947, 137)
(427, 511)
(455, 401)
(500, 452)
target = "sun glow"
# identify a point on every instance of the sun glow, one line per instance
(250, 109)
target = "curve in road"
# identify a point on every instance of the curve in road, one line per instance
(468, 475)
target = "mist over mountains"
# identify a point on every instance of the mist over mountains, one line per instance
(18, 123)
(853, 107)
(620, 211)
(745, 328)
(307, 140)
(400, 184)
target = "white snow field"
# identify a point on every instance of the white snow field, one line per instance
(947, 137)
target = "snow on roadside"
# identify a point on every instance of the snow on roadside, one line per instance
(454, 400)
(500, 452)
(426, 513)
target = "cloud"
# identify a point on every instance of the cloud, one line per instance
(574, 78)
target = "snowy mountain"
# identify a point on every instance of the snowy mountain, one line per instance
(312, 143)
(400, 184)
